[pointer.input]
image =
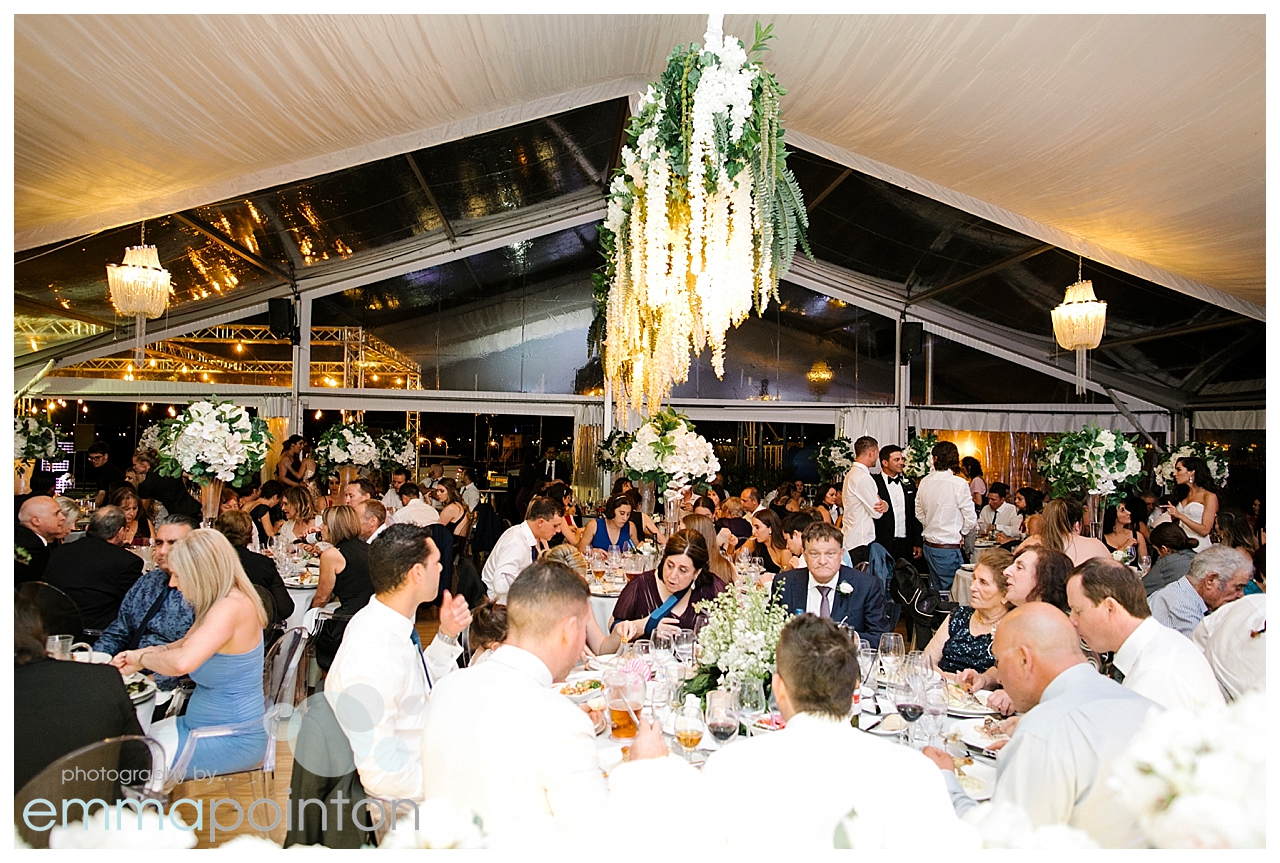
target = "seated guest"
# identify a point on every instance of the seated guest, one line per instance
(1120, 532)
(964, 638)
(237, 526)
(664, 601)
(1231, 529)
(1028, 501)
(228, 500)
(42, 484)
(1109, 610)
(1001, 513)
(373, 520)
(413, 510)
(750, 497)
(559, 491)
(785, 500)
(169, 491)
(520, 544)
(59, 707)
(721, 567)
(793, 527)
(827, 503)
(154, 611)
(357, 492)
(1176, 551)
(222, 653)
(829, 589)
(613, 529)
(817, 674)
(501, 741)
(391, 500)
(767, 541)
(467, 489)
(568, 556)
(488, 630)
(137, 527)
(268, 499)
(642, 524)
(732, 520)
(1217, 576)
(1234, 641)
(704, 506)
(40, 522)
(1061, 528)
(302, 523)
(96, 571)
(1077, 723)
(71, 510)
(381, 650)
(344, 572)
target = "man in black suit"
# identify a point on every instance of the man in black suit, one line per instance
(553, 467)
(40, 522)
(168, 490)
(237, 526)
(96, 571)
(898, 530)
(828, 589)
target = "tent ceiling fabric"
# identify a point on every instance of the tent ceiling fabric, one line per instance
(1136, 138)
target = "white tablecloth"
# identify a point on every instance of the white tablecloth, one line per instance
(602, 608)
(961, 588)
(302, 597)
(145, 709)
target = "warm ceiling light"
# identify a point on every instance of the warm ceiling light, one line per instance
(1079, 322)
(85, 409)
(204, 376)
(319, 414)
(153, 362)
(820, 378)
(172, 412)
(399, 380)
(144, 407)
(34, 346)
(239, 347)
(140, 288)
(79, 401)
(375, 379)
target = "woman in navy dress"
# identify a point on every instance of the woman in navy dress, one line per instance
(964, 638)
(613, 529)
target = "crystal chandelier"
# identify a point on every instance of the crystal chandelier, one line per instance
(820, 378)
(1079, 322)
(139, 287)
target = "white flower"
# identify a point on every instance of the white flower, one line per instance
(844, 587)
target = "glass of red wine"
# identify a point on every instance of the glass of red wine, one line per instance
(908, 698)
(722, 717)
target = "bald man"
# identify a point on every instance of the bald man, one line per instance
(40, 522)
(1076, 724)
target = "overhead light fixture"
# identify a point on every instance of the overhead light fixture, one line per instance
(140, 287)
(319, 414)
(1079, 322)
(820, 377)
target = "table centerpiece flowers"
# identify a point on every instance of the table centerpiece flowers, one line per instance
(1213, 456)
(213, 442)
(33, 438)
(667, 452)
(396, 448)
(1095, 462)
(344, 449)
(918, 457)
(611, 454)
(835, 458)
(739, 640)
(150, 438)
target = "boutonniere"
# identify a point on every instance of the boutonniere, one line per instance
(844, 587)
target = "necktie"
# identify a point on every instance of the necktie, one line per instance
(417, 645)
(533, 553)
(824, 610)
(897, 479)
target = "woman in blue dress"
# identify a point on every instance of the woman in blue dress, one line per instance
(222, 652)
(613, 529)
(964, 638)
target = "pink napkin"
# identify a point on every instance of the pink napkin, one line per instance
(639, 667)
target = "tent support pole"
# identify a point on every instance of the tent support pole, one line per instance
(1133, 420)
(928, 368)
(301, 379)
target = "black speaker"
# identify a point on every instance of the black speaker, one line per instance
(280, 319)
(912, 341)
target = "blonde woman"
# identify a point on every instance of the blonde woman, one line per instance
(719, 565)
(344, 571)
(301, 524)
(567, 556)
(222, 652)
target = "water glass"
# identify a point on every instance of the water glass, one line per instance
(662, 649)
(682, 646)
(624, 693)
(892, 653)
(751, 701)
(866, 665)
(935, 711)
(58, 646)
(1144, 564)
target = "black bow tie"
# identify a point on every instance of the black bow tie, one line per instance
(897, 479)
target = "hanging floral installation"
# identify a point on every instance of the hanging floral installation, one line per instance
(703, 219)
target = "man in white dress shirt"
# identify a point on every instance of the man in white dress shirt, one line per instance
(861, 501)
(519, 545)
(1217, 576)
(1109, 610)
(391, 500)
(357, 492)
(944, 506)
(501, 741)
(1077, 723)
(751, 501)
(381, 677)
(414, 510)
(814, 764)
(467, 489)
(1001, 512)
(1234, 641)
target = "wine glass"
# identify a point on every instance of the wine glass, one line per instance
(892, 653)
(866, 665)
(722, 717)
(643, 648)
(1144, 564)
(935, 710)
(751, 701)
(690, 727)
(908, 698)
(682, 646)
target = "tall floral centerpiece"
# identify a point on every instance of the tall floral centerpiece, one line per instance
(397, 448)
(835, 458)
(918, 459)
(1094, 461)
(33, 438)
(214, 442)
(1213, 456)
(667, 452)
(703, 216)
(739, 640)
(150, 438)
(343, 450)
(611, 455)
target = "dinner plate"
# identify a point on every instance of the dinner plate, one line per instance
(603, 662)
(968, 567)
(595, 591)
(889, 725)
(140, 687)
(299, 585)
(978, 781)
(981, 695)
(970, 734)
(582, 690)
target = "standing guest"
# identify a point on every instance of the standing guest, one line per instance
(302, 524)
(1077, 724)
(614, 528)
(553, 467)
(1120, 532)
(169, 491)
(816, 678)
(222, 653)
(1061, 531)
(413, 510)
(1217, 576)
(1109, 610)
(153, 612)
(544, 783)
(96, 571)
(972, 470)
(750, 500)
(1176, 550)
(830, 590)
(344, 572)
(40, 523)
(454, 514)
(944, 507)
(434, 473)
(827, 502)
(1195, 500)
(520, 544)
(237, 527)
(665, 602)
(467, 489)
(898, 530)
(721, 567)
(59, 707)
(767, 541)
(290, 471)
(268, 499)
(106, 474)
(1000, 512)
(381, 650)
(391, 500)
(373, 520)
(42, 484)
(964, 638)
(137, 527)
(357, 492)
(1234, 641)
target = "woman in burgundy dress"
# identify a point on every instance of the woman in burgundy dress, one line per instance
(663, 601)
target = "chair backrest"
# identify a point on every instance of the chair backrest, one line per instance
(268, 603)
(96, 772)
(280, 667)
(57, 610)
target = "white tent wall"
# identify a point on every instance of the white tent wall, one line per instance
(1038, 419)
(1229, 420)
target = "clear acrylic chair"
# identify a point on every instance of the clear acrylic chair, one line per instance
(58, 611)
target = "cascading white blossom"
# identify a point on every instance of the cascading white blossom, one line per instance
(213, 440)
